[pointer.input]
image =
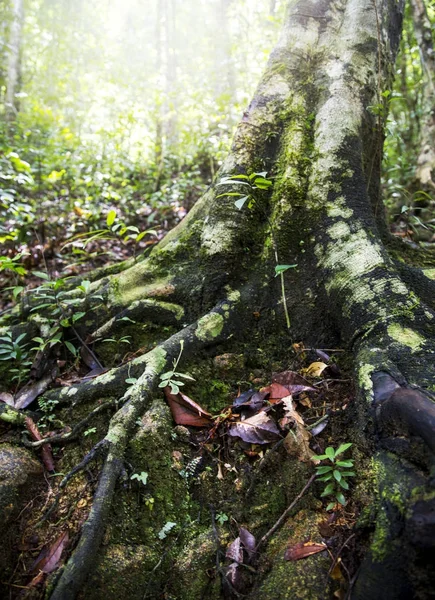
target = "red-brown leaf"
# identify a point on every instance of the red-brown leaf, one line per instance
(303, 549)
(185, 411)
(46, 453)
(276, 391)
(49, 557)
(294, 382)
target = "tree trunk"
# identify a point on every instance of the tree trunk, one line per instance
(212, 281)
(13, 73)
(426, 159)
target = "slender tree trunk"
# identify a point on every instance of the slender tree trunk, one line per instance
(309, 126)
(425, 171)
(13, 72)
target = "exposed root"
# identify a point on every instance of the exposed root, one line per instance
(94, 453)
(409, 411)
(210, 329)
(162, 313)
(71, 436)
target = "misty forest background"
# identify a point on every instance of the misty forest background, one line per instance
(122, 112)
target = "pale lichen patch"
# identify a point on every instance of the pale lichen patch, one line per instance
(364, 378)
(209, 327)
(405, 336)
(430, 273)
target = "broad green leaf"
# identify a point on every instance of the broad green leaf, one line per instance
(342, 448)
(329, 489)
(325, 477)
(348, 474)
(322, 470)
(40, 274)
(241, 176)
(184, 376)
(330, 506)
(111, 216)
(341, 498)
(344, 484)
(17, 291)
(163, 384)
(282, 268)
(229, 194)
(78, 316)
(174, 387)
(330, 452)
(71, 348)
(319, 457)
(345, 463)
(167, 375)
(337, 475)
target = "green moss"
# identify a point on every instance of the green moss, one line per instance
(302, 579)
(406, 336)
(209, 327)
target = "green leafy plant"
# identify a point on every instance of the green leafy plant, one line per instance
(142, 477)
(335, 473)
(252, 184)
(222, 518)
(172, 377)
(16, 351)
(47, 407)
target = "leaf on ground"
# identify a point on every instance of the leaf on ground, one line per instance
(303, 549)
(88, 358)
(259, 429)
(248, 541)
(30, 392)
(297, 443)
(316, 369)
(290, 413)
(235, 551)
(46, 453)
(7, 398)
(185, 411)
(49, 557)
(243, 398)
(294, 382)
(245, 542)
(251, 406)
(276, 391)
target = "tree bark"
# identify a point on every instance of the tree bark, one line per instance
(13, 72)
(426, 159)
(310, 128)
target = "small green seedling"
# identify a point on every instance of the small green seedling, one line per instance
(251, 185)
(222, 518)
(171, 378)
(335, 473)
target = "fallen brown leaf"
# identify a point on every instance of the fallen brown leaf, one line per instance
(185, 411)
(46, 453)
(49, 557)
(303, 549)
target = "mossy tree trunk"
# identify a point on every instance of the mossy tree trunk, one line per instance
(315, 126)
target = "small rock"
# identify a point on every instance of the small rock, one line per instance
(229, 362)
